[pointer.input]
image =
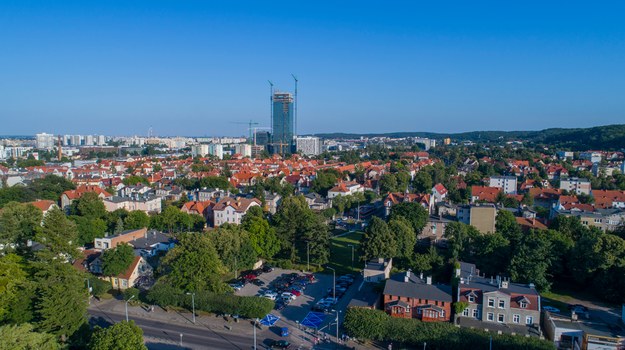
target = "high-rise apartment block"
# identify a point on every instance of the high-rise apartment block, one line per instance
(44, 141)
(308, 146)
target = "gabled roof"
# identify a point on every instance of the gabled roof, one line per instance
(44, 205)
(416, 288)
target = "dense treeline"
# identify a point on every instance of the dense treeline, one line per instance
(50, 187)
(367, 324)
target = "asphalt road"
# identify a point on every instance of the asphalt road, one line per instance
(164, 336)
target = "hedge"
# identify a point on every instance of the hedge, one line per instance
(367, 324)
(246, 307)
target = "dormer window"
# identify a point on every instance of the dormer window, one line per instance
(471, 299)
(523, 305)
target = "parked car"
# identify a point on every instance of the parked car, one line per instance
(551, 309)
(288, 295)
(577, 307)
(267, 268)
(258, 282)
(280, 304)
(279, 344)
(236, 286)
(271, 295)
(295, 292)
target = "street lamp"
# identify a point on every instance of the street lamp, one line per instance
(333, 283)
(89, 291)
(193, 304)
(337, 326)
(255, 322)
(127, 306)
(308, 256)
(352, 246)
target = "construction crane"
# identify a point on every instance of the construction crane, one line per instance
(250, 124)
(295, 106)
(271, 103)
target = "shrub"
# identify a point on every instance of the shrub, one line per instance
(370, 324)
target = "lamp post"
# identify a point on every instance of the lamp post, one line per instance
(333, 283)
(255, 322)
(308, 256)
(127, 307)
(193, 304)
(337, 326)
(352, 246)
(88, 291)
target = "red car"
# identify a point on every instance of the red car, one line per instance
(295, 292)
(250, 277)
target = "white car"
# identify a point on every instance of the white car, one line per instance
(330, 301)
(236, 286)
(287, 295)
(551, 309)
(271, 295)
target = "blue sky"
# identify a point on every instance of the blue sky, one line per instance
(194, 67)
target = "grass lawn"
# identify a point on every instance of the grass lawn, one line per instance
(341, 253)
(562, 294)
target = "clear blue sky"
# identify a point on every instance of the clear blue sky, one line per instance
(193, 67)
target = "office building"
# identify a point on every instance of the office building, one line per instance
(308, 146)
(262, 138)
(282, 123)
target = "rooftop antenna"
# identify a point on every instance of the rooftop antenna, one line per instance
(295, 105)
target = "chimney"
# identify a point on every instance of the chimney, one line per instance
(429, 280)
(504, 284)
(421, 275)
(491, 280)
(407, 276)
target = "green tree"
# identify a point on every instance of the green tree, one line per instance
(505, 223)
(89, 206)
(404, 235)
(119, 226)
(388, 183)
(134, 180)
(123, 336)
(89, 229)
(422, 182)
(50, 187)
(136, 219)
(230, 242)
(378, 240)
(262, 236)
(193, 264)
(411, 211)
(23, 337)
(296, 224)
(19, 223)
(13, 278)
(59, 234)
(117, 260)
(531, 261)
(324, 180)
(61, 304)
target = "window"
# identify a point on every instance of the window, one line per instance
(523, 305)
(443, 314)
(502, 304)
(465, 312)
(501, 318)
(491, 302)
(490, 316)
(516, 318)
(529, 320)
(471, 298)
(476, 313)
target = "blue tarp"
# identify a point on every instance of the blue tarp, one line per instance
(313, 319)
(269, 320)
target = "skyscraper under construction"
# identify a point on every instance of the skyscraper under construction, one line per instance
(282, 123)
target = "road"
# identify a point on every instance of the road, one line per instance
(161, 336)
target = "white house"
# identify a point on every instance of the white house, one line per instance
(508, 184)
(230, 210)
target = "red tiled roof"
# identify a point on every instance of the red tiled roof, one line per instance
(44, 205)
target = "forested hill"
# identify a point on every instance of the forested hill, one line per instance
(608, 137)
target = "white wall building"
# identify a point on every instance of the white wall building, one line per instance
(575, 185)
(243, 149)
(508, 184)
(429, 143)
(217, 150)
(44, 141)
(308, 146)
(200, 150)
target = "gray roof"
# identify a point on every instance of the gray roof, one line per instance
(416, 288)
(484, 283)
(365, 297)
(153, 237)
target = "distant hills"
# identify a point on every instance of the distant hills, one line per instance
(607, 137)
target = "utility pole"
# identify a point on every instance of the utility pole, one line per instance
(255, 322)
(352, 246)
(89, 291)
(333, 283)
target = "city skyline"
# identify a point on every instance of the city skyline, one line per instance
(192, 68)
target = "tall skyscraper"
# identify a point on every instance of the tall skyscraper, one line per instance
(283, 123)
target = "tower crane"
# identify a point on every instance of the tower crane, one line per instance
(250, 125)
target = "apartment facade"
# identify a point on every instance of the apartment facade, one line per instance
(497, 300)
(508, 184)
(575, 185)
(481, 216)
